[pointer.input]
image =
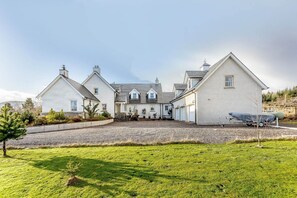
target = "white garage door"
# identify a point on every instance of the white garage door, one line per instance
(183, 114)
(177, 114)
(192, 113)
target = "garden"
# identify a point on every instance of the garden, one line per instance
(31, 115)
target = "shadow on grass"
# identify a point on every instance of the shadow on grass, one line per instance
(107, 177)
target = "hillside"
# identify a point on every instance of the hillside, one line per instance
(281, 101)
(282, 97)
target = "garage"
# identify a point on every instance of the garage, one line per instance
(191, 115)
(183, 114)
(177, 114)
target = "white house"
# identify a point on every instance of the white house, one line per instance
(146, 99)
(102, 90)
(66, 94)
(206, 96)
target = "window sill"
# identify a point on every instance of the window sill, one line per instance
(229, 87)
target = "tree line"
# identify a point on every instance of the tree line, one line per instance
(274, 96)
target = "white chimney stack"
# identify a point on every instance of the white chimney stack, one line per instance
(96, 69)
(64, 71)
(205, 66)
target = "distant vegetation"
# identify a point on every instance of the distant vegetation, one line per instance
(287, 93)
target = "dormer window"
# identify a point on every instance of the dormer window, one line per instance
(151, 94)
(134, 94)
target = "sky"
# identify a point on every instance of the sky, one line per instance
(139, 40)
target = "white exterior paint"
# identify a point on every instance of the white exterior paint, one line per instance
(211, 102)
(191, 113)
(105, 93)
(149, 112)
(186, 102)
(215, 101)
(59, 97)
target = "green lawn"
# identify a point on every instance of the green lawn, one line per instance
(177, 170)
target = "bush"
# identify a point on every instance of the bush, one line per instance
(106, 114)
(27, 117)
(40, 121)
(76, 119)
(55, 118)
(60, 115)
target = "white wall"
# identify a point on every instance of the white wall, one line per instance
(59, 97)
(139, 107)
(164, 112)
(215, 101)
(105, 94)
(185, 102)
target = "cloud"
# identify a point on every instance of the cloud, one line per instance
(14, 95)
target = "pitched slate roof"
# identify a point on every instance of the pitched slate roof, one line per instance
(81, 89)
(180, 86)
(167, 97)
(123, 91)
(196, 74)
(212, 70)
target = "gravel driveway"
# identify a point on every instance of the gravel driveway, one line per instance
(148, 132)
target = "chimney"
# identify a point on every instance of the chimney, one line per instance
(96, 68)
(205, 66)
(64, 71)
(157, 81)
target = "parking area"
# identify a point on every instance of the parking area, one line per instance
(148, 132)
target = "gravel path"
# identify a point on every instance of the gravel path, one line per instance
(148, 132)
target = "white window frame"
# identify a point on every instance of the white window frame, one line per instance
(72, 102)
(229, 81)
(134, 96)
(152, 95)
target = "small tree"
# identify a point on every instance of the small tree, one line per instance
(11, 126)
(72, 168)
(28, 105)
(91, 111)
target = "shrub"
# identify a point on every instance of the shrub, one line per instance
(76, 119)
(121, 117)
(27, 117)
(55, 118)
(106, 114)
(51, 116)
(60, 115)
(40, 121)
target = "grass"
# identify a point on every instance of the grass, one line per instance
(177, 170)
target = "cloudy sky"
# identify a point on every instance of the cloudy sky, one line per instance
(139, 40)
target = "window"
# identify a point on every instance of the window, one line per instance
(104, 107)
(73, 105)
(152, 96)
(166, 107)
(152, 109)
(134, 96)
(96, 91)
(229, 81)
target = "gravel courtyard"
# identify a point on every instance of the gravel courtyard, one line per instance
(148, 132)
